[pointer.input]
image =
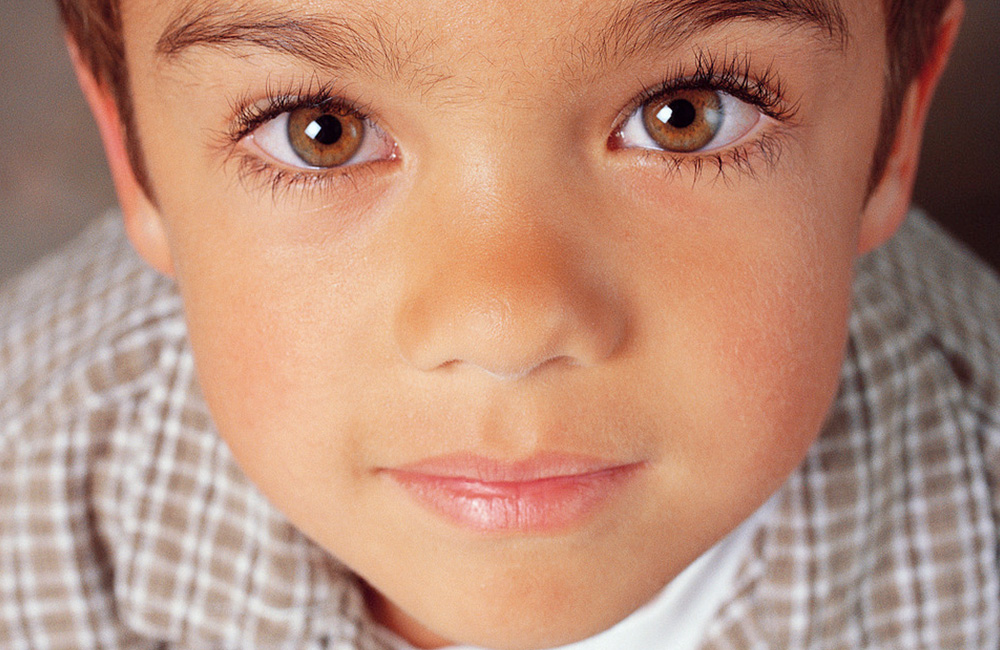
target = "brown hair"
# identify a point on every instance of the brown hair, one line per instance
(96, 28)
(911, 31)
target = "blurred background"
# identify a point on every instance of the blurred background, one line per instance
(53, 177)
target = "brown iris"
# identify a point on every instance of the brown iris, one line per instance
(683, 120)
(324, 136)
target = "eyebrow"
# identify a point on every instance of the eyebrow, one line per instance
(636, 27)
(329, 42)
(371, 43)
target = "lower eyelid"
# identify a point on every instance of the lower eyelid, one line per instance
(750, 157)
(259, 175)
(377, 145)
(259, 170)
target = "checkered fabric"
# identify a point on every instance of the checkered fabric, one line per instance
(126, 524)
(887, 534)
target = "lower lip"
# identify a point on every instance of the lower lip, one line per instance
(533, 506)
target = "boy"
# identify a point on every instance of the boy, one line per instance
(545, 323)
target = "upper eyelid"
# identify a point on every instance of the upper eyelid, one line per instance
(769, 106)
(730, 74)
(733, 73)
(248, 115)
(787, 119)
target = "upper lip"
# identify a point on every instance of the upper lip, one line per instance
(473, 467)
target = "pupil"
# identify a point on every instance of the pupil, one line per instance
(682, 113)
(325, 129)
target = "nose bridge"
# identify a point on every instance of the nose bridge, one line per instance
(495, 281)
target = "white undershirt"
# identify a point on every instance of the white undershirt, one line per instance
(678, 617)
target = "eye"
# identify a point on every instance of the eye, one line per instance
(688, 121)
(322, 137)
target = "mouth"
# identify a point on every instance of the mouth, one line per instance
(543, 494)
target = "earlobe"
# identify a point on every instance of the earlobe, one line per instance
(143, 222)
(890, 198)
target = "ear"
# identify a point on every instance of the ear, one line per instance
(143, 222)
(890, 199)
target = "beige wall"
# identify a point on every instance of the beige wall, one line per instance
(52, 176)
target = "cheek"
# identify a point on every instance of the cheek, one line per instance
(775, 358)
(748, 328)
(276, 360)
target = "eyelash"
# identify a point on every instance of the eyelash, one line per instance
(250, 115)
(732, 75)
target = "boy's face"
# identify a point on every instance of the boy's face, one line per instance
(512, 363)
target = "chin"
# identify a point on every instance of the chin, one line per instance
(522, 608)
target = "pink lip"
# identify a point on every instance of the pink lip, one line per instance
(542, 494)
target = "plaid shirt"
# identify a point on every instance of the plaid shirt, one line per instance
(125, 523)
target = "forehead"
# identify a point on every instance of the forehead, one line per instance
(415, 39)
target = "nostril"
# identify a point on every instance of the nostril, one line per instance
(512, 342)
(535, 310)
(515, 372)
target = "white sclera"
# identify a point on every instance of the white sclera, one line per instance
(271, 137)
(736, 118)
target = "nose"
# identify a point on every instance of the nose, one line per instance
(501, 290)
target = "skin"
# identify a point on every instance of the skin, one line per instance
(512, 285)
